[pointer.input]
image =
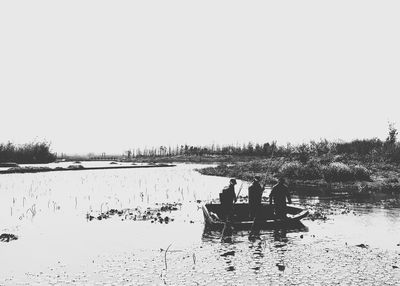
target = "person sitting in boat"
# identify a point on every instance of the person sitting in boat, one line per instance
(255, 195)
(279, 194)
(227, 198)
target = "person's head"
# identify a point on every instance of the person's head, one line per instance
(257, 178)
(281, 180)
(232, 182)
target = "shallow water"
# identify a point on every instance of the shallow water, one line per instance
(58, 245)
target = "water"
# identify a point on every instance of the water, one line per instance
(58, 245)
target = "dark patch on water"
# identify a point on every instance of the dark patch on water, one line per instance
(228, 253)
(74, 167)
(230, 268)
(7, 237)
(280, 266)
(153, 214)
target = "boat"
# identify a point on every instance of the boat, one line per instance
(240, 220)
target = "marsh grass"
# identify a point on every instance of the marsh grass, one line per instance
(314, 171)
(56, 195)
(340, 172)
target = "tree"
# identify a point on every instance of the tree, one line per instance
(392, 136)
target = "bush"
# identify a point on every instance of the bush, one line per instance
(296, 170)
(361, 173)
(321, 148)
(359, 147)
(392, 152)
(290, 170)
(313, 171)
(337, 172)
(340, 172)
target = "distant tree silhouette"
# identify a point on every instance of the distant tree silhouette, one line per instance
(30, 153)
(392, 136)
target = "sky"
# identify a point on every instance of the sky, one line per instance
(108, 76)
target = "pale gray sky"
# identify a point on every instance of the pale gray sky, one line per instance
(110, 75)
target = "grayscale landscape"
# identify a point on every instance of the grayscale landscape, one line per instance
(199, 143)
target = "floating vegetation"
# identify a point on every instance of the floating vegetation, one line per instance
(281, 266)
(319, 211)
(75, 167)
(7, 237)
(228, 253)
(317, 216)
(153, 214)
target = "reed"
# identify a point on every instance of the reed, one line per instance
(165, 257)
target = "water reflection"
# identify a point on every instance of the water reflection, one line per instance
(261, 248)
(212, 235)
(257, 248)
(280, 235)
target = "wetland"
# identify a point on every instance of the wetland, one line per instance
(346, 239)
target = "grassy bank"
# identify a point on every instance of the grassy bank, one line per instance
(318, 175)
(359, 166)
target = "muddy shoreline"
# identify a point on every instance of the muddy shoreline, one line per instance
(23, 170)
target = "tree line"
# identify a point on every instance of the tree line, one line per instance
(30, 153)
(368, 148)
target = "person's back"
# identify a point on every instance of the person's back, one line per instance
(229, 194)
(255, 196)
(279, 194)
(227, 198)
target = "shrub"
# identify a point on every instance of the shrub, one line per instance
(337, 172)
(290, 170)
(359, 147)
(340, 172)
(296, 170)
(303, 152)
(321, 148)
(393, 152)
(361, 173)
(312, 171)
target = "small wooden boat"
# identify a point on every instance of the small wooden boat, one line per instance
(241, 220)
